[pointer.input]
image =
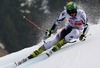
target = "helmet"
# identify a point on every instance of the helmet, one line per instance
(71, 7)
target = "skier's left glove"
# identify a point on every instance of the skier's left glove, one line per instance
(82, 37)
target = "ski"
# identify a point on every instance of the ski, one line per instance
(21, 62)
(49, 53)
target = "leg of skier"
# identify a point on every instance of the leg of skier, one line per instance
(49, 44)
(74, 34)
(44, 47)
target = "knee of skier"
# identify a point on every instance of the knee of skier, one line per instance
(67, 38)
(51, 43)
(74, 34)
(48, 45)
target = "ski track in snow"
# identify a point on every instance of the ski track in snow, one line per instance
(73, 55)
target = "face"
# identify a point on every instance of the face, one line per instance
(73, 14)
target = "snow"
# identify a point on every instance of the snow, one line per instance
(73, 55)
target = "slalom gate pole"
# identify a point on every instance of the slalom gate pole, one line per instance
(32, 23)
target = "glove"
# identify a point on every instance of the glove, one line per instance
(82, 37)
(48, 33)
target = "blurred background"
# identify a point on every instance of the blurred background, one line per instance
(16, 33)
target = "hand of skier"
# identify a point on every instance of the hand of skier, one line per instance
(48, 33)
(82, 37)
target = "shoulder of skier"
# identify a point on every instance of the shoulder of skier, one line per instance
(62, 14)
(83, 15)
(61, 17)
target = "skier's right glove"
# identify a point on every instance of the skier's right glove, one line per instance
(48, 33)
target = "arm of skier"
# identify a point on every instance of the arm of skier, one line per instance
(57, 22)
(86, 26)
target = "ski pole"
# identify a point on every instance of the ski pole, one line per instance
(83, 40)
(88, 35)
(32, 23)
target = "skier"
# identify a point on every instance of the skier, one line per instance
(76, 28)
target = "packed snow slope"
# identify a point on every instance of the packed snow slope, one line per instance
(73, 55)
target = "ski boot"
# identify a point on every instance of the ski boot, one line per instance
(37, 52)
(56, 47)
(59, 45)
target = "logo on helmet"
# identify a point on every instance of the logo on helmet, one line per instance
(70, 4)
